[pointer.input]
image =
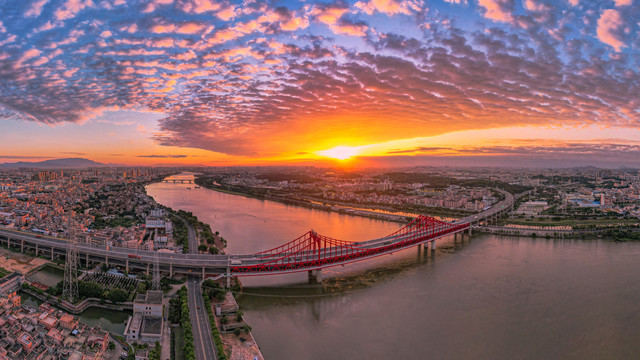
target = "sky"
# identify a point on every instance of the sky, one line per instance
(352, 83)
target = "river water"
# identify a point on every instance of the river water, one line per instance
(489, 298)
(110, 320)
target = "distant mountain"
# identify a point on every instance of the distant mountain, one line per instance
(70, 163)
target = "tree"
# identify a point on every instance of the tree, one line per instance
(213, 250)
(89, 289)
(175, 310)
(117, 295)
(142, 288)
(112, 345)
(202, 248)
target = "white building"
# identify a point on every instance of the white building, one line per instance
(146, 323)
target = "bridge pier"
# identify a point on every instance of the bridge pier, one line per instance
(52, 253)
(228, 277)
(433, 245)
(171, 270)
(148, 269)
(22, 246)
(86, 261)
(36, 250)
(203, 273)
(106, 260)
(315, 276)
(126, 266)
(8, 243)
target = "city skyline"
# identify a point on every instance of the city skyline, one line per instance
(366, 83)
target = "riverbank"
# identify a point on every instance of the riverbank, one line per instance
(372, 214)
(563, 234)
(79, 308)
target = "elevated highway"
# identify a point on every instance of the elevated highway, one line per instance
(310, 251)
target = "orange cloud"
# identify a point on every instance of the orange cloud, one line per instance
(497, 10)
(190, 28)
(390, 7)
(610, 29)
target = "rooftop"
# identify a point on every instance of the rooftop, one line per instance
(151, 325)
(151, 297)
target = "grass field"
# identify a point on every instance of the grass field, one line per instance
(179, 343)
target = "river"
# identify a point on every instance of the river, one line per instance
(489, 298)
(110, 320)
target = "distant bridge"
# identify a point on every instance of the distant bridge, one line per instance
(310, 251)
(178, 181)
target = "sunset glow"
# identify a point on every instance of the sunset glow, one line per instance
(218, 83)
(340, 152)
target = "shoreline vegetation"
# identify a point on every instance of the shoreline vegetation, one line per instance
(307, 204)
(582, 230)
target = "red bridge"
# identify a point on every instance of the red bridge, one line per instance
(313, 251)
(310, 251)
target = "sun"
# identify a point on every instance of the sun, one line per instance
(340, 152)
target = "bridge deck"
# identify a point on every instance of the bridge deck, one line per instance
(309, 251)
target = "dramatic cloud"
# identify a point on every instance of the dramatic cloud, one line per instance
(389, 7)
(498, 10)
(611, 29)
(35, 9)
(167, 156)
(261, 78)
(623, 2)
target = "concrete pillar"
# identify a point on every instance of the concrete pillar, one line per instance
(148, 264)
(106, 260)
(171, 270)
(36, 250)
(22, 246)
(315, 275)
(126, 265)
(8, 242)
(86, 263)
(228, 278)
(203, 273)
(433, 245)
(52, 253)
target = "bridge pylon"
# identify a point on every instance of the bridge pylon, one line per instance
(315, 276)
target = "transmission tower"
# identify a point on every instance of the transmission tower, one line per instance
(71, 272)
(155, 285)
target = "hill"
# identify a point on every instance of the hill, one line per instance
(69, 163)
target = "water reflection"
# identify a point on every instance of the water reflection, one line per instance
(489, 298)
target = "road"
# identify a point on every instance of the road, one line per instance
(194, 263)
(202, 339)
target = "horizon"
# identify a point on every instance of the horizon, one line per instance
(353, 84)
(327, 165)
